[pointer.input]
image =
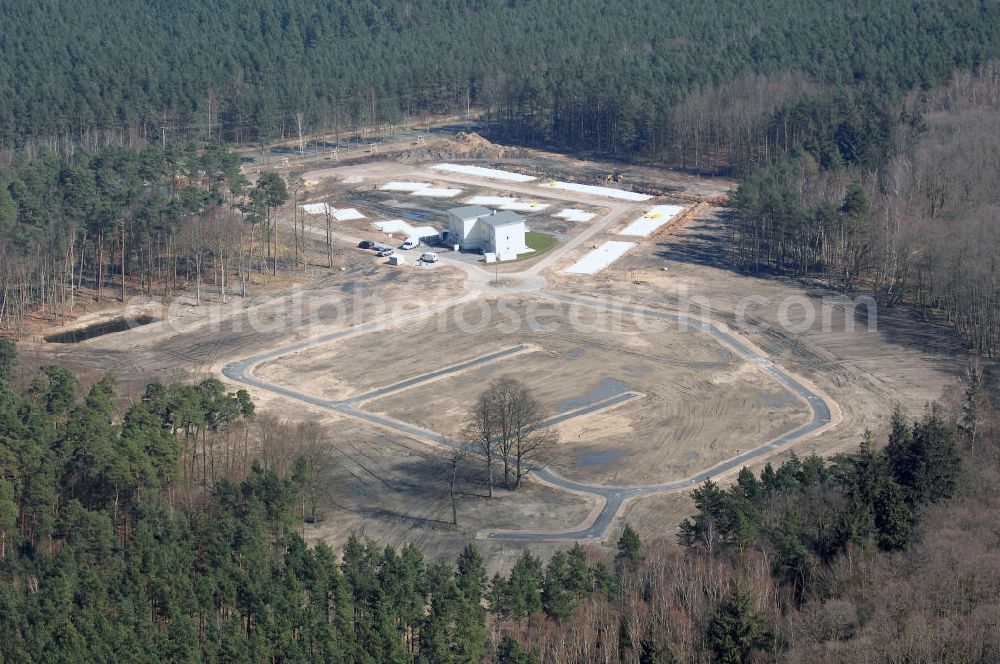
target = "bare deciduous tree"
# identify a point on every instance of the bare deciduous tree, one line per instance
(507, 423)
(455, 461)
(482, 436)
(312, 464)
(531, 440)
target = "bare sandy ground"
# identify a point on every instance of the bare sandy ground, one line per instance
(900, 361)
(685, 409)
(190, 341)
(698, 406)
(394, 490)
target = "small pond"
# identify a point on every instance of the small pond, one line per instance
(99, 329)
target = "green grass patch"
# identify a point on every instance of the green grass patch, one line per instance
(540, 242)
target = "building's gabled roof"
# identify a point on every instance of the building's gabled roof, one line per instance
(505, 218)
(470, 212)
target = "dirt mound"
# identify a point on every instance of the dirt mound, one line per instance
(470, 144)
(462, 144)
(471, 141)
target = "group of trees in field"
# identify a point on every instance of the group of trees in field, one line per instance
(116, 222)
(587, 75)
(506, 427)
(908, 215)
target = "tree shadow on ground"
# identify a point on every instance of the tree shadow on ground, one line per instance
(702, 243)
(705, 243)
(420, 483)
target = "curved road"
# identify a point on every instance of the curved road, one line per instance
(616, 496)
(529, 282)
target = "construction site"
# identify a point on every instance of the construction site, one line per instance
(657, 365)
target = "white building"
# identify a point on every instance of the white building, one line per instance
(476, 228)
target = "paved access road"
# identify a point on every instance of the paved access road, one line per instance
(529, 282)
(615, 497)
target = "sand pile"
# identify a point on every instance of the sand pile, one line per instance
(462, 144)
(471, 142)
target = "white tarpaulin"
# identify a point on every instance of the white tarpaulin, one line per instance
(525, 206)
(316, 208)
(593, 190)
(479, 171)
(600, 258)
(404, 186)
(437, 192)
(491, 201)
(400, 226)
(506, 203)
(347, 214)
(649, 222)
(573, 214)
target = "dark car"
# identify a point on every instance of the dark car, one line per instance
(365, 244)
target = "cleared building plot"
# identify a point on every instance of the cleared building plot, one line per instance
(594, 190)
(686, 418)
(698, 403)
(507, 203)
(574, 214)
(598, 259)
(479, 171)
(645, 225)
(353, 366)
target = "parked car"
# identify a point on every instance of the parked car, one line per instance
(383, 252)
(429, 257)
(410, 243)
(365, 244)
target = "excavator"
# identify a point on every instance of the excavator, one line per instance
(614, 176)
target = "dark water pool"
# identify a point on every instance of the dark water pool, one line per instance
(601, 458)
(99, 329)
(608, 387)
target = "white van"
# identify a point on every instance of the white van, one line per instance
(410, 243)
(429, 257)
